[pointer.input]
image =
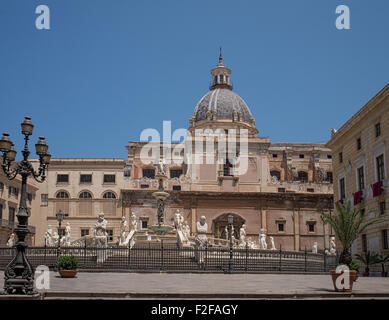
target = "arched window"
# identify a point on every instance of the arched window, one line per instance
(303, 176)
(85, 195)
(276, 174)
(62, 195)
(221, 78)
(109, 195)
(85, 204)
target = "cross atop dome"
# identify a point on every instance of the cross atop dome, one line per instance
(221, 75)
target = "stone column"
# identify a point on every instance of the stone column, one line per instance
(296, 219)
(193, 213)
(263, 219)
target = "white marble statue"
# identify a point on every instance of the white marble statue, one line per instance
(250, 243)
(178, 220)
(134, 223)
(272, 245)
(123, 230)
(161, 167)
(49, 237)
(226, 234)
(11, 241)
(242, 236)
(314, 247)
(262, 240)
(332, 250)
(186, 230)
(100, 231)
(201, 239)
(67, 235)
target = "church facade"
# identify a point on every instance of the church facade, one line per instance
(281, 188)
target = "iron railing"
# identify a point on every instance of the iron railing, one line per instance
(155, 257)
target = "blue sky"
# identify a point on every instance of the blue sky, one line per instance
(107, 69)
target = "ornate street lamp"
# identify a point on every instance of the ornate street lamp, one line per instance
(60, 216)
(230, 223)
(19, 274)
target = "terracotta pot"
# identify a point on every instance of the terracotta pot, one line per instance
(353, 276)
(68, 273)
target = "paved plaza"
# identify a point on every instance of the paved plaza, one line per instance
(188, 285)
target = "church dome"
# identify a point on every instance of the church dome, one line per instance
(221, 104)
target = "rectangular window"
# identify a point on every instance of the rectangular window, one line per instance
(359, 144)
(110, 235)
(342, 189)
(329, 177)
(364, 243)
(84, 232)
(85, 178)
(281, 190)
(149, 173)
(177, 188)
(385, 239)
(1, 186)
(109, 178)
(378, 129)
(311, 226)
(340, 157)
(1, 211)
(361, 179)
(382, 207)
(44, 199)
(281, 226)
(11, 215)
(175, 173)
(144, 224)
(274, 155)
(301, 156)
(62, 178)
(380, 167)
(329, 156)
(310, 190)
(29, 197)
(144, 186)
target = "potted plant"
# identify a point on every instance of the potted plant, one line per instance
(354, 265)
(368, 259)
(382, 260)
(67, 266)
(348, 224)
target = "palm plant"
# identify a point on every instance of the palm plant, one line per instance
(368, 259)
(348, 225)
(382, 260)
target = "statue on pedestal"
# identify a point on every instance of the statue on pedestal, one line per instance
(262, 240)
(161, 167)
(242, 236)
(134, 223)
(100, 231)
(314, 247)
(332, 251)
(273, 247)
(67, 235)
(49, 237)
(123, 230)
(201, 238)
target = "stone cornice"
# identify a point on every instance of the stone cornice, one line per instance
(368, 107)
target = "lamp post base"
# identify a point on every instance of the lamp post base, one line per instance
(19, 274)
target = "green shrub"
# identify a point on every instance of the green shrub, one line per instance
(67, 263)
(354, 265)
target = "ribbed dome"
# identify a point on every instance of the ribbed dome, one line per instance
(224, 104)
